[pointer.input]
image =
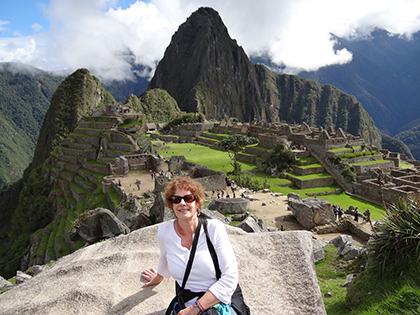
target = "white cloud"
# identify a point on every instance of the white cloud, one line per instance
(36, 27)
(2, 23)
(98, 35)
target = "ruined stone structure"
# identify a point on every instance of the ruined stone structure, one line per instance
(318, 142)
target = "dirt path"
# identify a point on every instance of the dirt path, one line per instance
(267, 206)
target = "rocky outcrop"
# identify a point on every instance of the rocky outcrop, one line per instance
(105, 278)
(230, 206)
(98, 224)
(311, 212)
(159, 212)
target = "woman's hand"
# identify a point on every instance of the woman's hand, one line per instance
(152, 277)
(190, 310)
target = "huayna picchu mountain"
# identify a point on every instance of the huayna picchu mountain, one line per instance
(206, 71)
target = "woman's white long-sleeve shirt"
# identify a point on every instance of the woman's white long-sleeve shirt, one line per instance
(174, 258)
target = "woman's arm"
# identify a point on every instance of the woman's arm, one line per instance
(152, 277)
(206, 301)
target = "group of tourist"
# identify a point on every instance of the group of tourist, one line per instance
(338, 211)
(220, 193)
(169, 175)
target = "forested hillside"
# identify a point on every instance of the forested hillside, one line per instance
(25, 95)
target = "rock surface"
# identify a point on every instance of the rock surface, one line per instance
(311, 212)
(230, 206)
(105, 278)
(99, 223)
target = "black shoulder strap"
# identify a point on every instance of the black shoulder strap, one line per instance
(212, 251)
(192, 254)
(179, 291)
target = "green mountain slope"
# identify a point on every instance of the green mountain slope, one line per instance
(206, 71)
(411, 138)
(25, 95)
(26, 206)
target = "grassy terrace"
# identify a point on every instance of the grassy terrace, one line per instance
(212, 139)
(371, 162)
(307, 159)
(344, 149)
(309, 166)
(259, 147)
(216, 134)
(311, 176)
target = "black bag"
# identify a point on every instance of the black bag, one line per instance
(182, 295)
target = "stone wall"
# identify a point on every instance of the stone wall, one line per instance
(164, 138)
(143, 161)
(192, 130)
(345, 225)
(318, 182)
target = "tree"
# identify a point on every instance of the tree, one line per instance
(281, 157)
(233, 144)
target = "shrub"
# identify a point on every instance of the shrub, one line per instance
(399, 237)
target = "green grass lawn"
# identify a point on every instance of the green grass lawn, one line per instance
(310, 166)
(371, 162)
(217, 160)
(310, 176)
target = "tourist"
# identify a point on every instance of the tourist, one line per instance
(223, 193)
(366, 216)
(356, 215)
(185, 197)
(212, 193)
(151, 174)
(138, 182)
(340, 213)
(227, 195)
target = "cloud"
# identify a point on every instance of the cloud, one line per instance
(36, 27)
(2, 23)
(295, 35)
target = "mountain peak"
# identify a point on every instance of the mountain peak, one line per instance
(206, 71)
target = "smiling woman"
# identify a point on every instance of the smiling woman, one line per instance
(203, 284)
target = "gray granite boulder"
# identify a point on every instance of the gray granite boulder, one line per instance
(4, 283)
(311, 212)
(105, 278)
(230, 206)
(250, 225)
(159, 213)
(98, 224)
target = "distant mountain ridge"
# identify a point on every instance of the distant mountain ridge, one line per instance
(205, 70)
(384, 76)
(25, 94)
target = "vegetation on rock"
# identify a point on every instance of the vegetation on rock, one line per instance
(184, 118)
(155, 105)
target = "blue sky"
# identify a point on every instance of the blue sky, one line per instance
(99, 34)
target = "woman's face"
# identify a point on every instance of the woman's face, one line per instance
(184, 210)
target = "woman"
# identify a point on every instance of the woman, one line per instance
(185, 197)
